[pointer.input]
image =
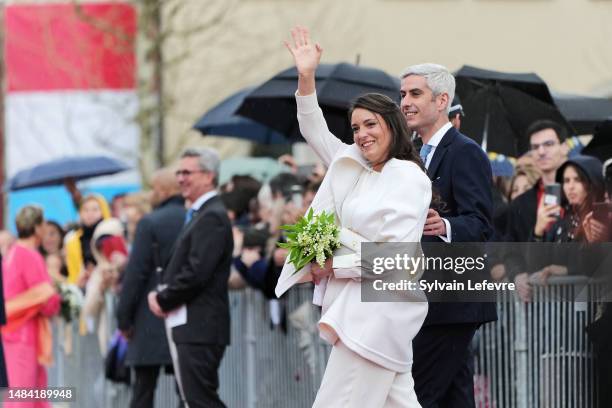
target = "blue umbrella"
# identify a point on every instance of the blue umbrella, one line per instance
(221, 120)
(57, 171)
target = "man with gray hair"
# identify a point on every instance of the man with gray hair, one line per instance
(194, 298)
(461, 176)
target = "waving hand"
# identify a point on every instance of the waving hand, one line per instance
(306, 55)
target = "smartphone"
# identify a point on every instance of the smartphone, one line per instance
(552, 194)
(298, 200)
(601, 212)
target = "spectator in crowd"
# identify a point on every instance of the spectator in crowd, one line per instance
(155, 236)
(117, 206)
(3, 377)
(53, 239)
(309, 193)
(503, 170)
(548, 152)
(135, 206)
(109, 250)
(455, 113)
(582, 185)
(51, 248)
(6, 240)
(597, 230)
(310, 173)
(79, 258)
(195, 282)
(525, 177)
(597, 227)
(31, 299)
(246, 184)
(251, 261)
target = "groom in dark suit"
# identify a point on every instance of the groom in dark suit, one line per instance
(461, 175)
(195, 300)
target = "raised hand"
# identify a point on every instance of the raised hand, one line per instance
(306, 56)
(547, 214)
(306, 53)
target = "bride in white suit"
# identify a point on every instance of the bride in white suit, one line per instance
(379, 192)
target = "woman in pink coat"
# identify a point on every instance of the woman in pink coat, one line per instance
(30, 300)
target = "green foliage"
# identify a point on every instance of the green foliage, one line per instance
(313, 238)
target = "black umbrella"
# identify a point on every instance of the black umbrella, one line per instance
(601, 144)
(499, 107)
(57, 171)
(583, 112)
(221, 120)
(273, 102)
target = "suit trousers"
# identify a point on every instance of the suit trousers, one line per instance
(351, 381)
(199, 367)
(145, 383)
(443, 365)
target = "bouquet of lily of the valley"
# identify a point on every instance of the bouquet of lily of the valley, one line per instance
(72, 300)
(312, 238)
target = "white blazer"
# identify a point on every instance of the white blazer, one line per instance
(378, 331)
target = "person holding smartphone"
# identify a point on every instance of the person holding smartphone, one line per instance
(548, 152)
(597, 228)
(598, 223)
(582, 185)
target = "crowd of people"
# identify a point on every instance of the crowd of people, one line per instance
(169, 257)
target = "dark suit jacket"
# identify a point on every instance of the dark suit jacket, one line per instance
(522, 215)
(197, 276)
(461, 174)
(149, 344)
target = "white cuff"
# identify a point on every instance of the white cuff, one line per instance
(346, 261)
(306, 103)
(447, 237)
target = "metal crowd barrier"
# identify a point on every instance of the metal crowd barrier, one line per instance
(264, 366)
(535, 356)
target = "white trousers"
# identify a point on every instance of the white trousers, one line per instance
(352, 381)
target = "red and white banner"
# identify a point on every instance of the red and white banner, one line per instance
(70, 84)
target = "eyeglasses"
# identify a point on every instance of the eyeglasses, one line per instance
(187, 173)
(546, 145)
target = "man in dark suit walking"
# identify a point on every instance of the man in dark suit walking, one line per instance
(194, 300)
(461, 176)
(155, 236)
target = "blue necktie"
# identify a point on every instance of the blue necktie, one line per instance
(424, 152)
(189, 215)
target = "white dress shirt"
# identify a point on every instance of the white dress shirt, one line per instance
(202, 199)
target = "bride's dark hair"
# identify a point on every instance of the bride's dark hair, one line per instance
(401, 146)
